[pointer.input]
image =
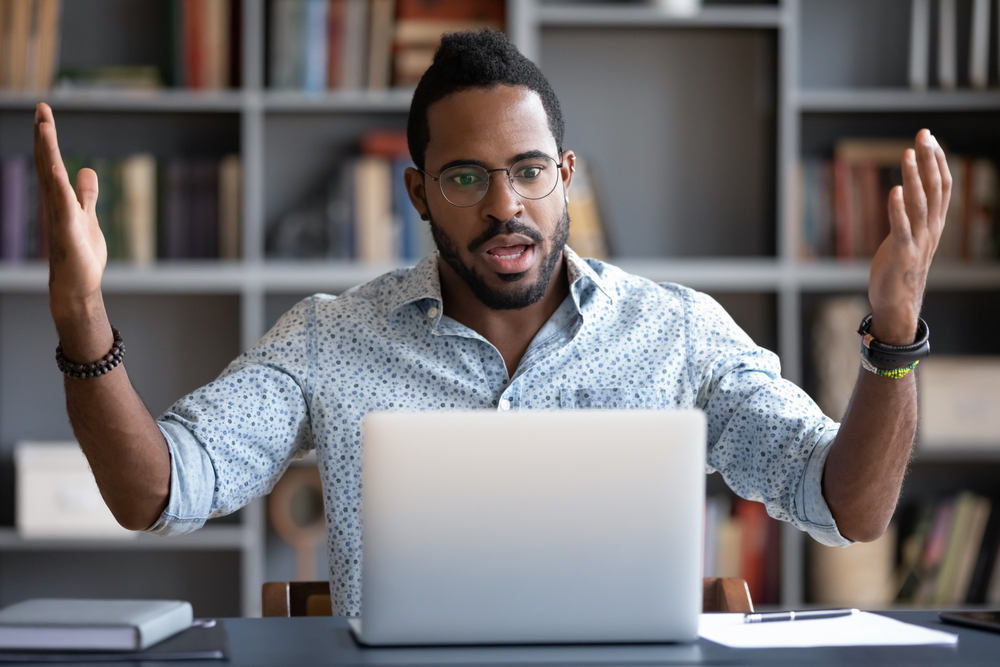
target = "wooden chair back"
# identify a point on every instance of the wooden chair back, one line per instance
(312, 598)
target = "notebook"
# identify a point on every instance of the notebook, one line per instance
(91, 625)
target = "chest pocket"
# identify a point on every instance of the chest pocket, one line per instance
(614, 398)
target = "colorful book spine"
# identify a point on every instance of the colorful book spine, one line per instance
(13, 207)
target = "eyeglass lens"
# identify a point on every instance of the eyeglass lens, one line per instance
(532, 178)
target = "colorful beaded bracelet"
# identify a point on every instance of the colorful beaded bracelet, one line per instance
(891, 373)
(101, 367)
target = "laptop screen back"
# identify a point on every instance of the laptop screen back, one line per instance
(562, 526)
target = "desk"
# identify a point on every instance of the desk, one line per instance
(327, 641)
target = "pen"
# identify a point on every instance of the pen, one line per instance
(796, 615)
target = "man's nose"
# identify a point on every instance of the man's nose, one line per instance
(500, 202)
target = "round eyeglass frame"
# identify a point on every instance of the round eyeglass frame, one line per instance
(489, 180)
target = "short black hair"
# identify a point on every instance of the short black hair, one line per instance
(467, 60)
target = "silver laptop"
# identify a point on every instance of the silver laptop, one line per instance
(536, 527)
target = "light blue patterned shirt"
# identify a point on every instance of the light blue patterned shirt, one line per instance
(617, 341)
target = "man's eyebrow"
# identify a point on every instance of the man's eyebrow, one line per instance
(479, 163)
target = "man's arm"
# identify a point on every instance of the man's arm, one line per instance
(865, 467)
(125, 448)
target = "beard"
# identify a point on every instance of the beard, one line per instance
(516, 296)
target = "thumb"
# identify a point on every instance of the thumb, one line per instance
(86, 190)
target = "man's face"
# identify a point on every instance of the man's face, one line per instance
(505, 248)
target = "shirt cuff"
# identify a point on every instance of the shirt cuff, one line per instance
(192, 483)
(810, 505)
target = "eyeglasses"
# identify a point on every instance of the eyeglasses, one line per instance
(466, 184)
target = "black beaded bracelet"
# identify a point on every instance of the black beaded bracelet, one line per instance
(102, 367)
(889, 357)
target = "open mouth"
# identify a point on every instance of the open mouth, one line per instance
(510, 259)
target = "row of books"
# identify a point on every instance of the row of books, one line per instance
(741, 540)
(317, 45)
(843, 203)
(179, 209)
(949, 556)
(363, 211)
(29, 43)
(940, 34)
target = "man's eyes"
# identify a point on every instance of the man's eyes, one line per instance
(466, 179)
(529, 172)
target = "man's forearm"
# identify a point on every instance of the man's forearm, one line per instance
(867, 461)
(125, 448)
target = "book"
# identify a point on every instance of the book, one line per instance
(204, 222)
(316, 32)
(934, 551)
(230, 207)
(44, 54)
(984, 561)
(94, 625)
(947, 578)
(206, 639)
(979, 45)
(138, 173)
(355, 45)
(947, 44)
(13, 208)
(373, 207)
(920, 29)
(380, 43)
(586, 228)
(335, 43)
(18, 25)
(285, 48)
(979, 212)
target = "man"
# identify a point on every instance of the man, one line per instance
(503, 317)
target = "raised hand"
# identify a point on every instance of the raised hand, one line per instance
(917, 211)
(77, 250)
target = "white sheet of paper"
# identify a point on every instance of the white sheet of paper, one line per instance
(859, 629)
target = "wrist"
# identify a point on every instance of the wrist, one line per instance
(900, 330)
(83, 327)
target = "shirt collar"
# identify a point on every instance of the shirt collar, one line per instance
(424, 282)
(421, 282)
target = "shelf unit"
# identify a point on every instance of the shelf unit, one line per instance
(753, 55)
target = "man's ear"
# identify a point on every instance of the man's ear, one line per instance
(568, 167)
(414, 180)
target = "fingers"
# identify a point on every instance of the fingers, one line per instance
(914, 197)
(946, 182)
(52, 175)
(899, 224)
(930, 174)
(87, 190)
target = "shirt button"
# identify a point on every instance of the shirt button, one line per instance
(432, 312)
(504, 404)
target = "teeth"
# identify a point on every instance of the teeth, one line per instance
(509, 256)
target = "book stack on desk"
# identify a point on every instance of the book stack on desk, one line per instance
(45, 630)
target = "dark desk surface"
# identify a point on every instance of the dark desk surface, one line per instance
(327, 641)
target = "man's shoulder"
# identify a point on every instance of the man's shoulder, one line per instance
(627, 288)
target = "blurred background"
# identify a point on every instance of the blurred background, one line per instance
(250, 154)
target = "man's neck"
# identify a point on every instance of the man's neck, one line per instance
(510, 331)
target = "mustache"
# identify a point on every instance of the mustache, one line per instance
(498, 227)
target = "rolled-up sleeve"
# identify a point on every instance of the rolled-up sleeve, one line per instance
(231, 440)
(766, 437)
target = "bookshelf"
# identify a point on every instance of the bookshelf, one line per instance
(780, 86)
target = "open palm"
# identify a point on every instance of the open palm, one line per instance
(77, 250)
